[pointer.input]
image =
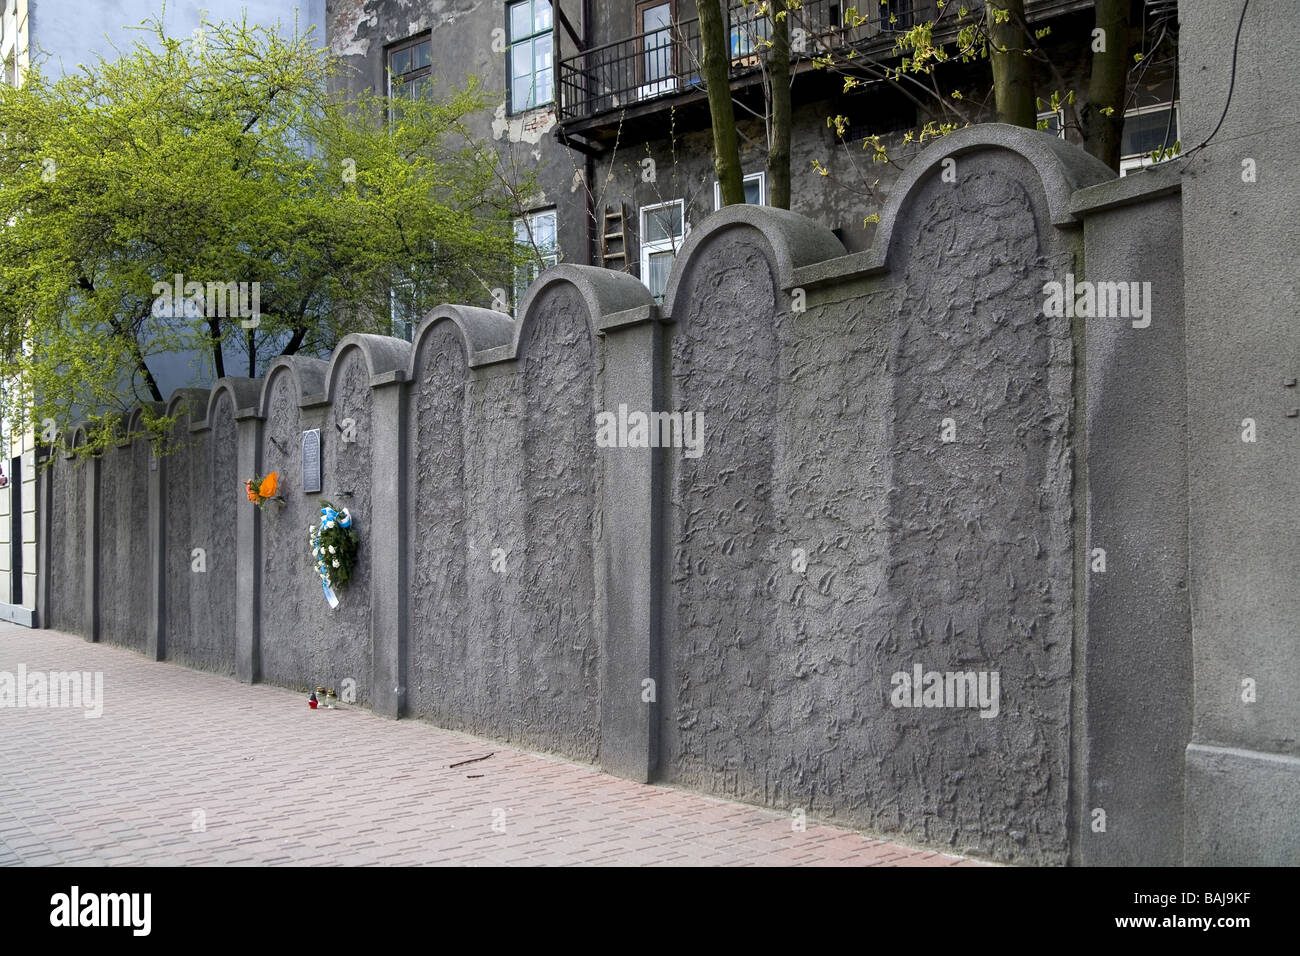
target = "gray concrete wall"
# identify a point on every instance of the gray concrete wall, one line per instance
(1243, 357)
(202, 494)
(123, 553)
(907, 462)
(67, 545)
(1137, 602)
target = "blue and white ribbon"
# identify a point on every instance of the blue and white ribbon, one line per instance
(328, 518)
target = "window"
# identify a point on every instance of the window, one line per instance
(755, 191)
(1145, 129)
(409, 65)
(662, 229)
(654, 21)
(896, 16)
(536, 234)
(1055, 123)
(531, 38)
(750, 34)
(402, 310)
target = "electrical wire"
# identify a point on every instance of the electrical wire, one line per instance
(1232, 81)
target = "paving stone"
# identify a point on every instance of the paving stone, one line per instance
(278, 784)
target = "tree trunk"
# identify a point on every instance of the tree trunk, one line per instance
(778, 151)
(1106, 86)
(715, 65)
(295, 340)
(1013, 85)
(252, 356)
(218, 358)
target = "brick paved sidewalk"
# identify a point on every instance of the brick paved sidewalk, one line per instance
(275, 783)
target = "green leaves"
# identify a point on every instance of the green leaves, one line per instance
(224, 158)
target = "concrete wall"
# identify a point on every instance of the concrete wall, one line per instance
(201, 495)
(908, 461)
(1241, 217)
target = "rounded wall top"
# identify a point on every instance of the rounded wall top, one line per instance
(794, 241)
(308, 376)
(383, 355)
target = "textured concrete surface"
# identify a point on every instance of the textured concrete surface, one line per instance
(1241, 218)
(277, 783)
(202, 492)
(824, 438)
(1139, 649)
(895, 475)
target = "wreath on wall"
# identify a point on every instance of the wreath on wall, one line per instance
(334, 546)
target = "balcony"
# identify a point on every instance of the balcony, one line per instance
(646, 72)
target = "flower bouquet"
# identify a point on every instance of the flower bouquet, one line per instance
(334, 545)
(262, 490)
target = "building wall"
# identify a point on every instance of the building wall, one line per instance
(467, 40)
(1242, 225)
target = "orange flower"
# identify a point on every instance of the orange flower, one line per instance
(268, 485)
(248, 488)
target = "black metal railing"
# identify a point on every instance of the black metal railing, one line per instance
(666, 62)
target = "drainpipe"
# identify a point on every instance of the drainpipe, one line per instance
(589, 173)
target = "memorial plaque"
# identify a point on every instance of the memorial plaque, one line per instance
(311, 460)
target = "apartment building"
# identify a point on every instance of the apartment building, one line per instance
(605, 102)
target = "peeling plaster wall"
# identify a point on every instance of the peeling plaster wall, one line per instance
(467, 42)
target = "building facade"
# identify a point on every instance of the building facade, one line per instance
(605, 103)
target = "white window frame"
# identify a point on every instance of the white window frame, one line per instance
(761, 177)
(548, 256)
(396, 322)
(1138, 160)
(537, 98)
(1060, 122)
(671, 244)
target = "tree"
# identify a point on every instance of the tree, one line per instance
(139, 194)
(1102, 115)
(782, 113)
(918, 66)
(1013, 82)
(715, 68)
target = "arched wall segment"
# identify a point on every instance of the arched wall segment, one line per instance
(67, 552)
(201, 501)
(242, 393)
(297, 637)
(124, 549)
(447, 671)
(827, 538)
(980, 536)
(504, 621)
